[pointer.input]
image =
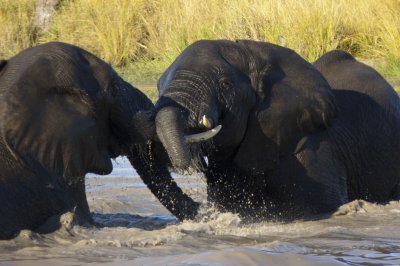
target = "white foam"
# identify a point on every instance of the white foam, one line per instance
(138, 230)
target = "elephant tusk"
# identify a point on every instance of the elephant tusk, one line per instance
(206, 122)
(194, 138)
(300, 145)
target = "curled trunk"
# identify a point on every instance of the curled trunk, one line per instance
(133, 126)
(170, 130)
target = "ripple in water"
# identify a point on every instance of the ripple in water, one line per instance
(134, 229)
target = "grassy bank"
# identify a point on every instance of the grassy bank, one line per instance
(142, 37)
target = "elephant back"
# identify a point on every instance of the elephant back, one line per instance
(343, 72)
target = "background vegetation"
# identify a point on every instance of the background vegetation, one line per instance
(142, 37)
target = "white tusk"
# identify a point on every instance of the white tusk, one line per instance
(206, 122)
(199, 137)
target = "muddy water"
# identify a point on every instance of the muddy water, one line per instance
(136, 230)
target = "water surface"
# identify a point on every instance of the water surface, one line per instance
(135, 229)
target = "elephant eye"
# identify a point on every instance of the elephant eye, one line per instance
(225, 83)
(266, 69)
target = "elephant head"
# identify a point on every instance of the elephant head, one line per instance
(65, 113)
(265, 97)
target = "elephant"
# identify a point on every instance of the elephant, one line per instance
(298, 139)
(65, 113)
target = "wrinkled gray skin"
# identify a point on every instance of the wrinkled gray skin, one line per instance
(65, 113)
(293, 142)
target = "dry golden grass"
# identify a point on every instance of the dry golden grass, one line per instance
(146, 35)
(16, 26)
(366, 28)
(112, 29)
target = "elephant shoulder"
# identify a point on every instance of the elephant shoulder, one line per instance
(344, 72)
(332, 58)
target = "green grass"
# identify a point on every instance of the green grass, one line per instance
(150, 90)
(143, 77)
(390, 68)
(143, 72)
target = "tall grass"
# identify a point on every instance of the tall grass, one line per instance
(366, 28)
(17, 31)
(111, 29)
(144, 36)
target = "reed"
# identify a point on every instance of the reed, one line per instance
(17, 31)
(111, 29)
(142, 37)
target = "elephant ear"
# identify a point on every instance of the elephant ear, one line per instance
(295, 100)
(290, 87)
(50, 127)
(289, 113)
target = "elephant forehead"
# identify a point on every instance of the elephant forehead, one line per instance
(206, 53)
(61, 65)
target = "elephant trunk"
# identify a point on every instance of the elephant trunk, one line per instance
(154, 173)
(133, 128)
(170, 130)
(130, 116)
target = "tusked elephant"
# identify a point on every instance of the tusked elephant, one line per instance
(64, 113)
(297, 139)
